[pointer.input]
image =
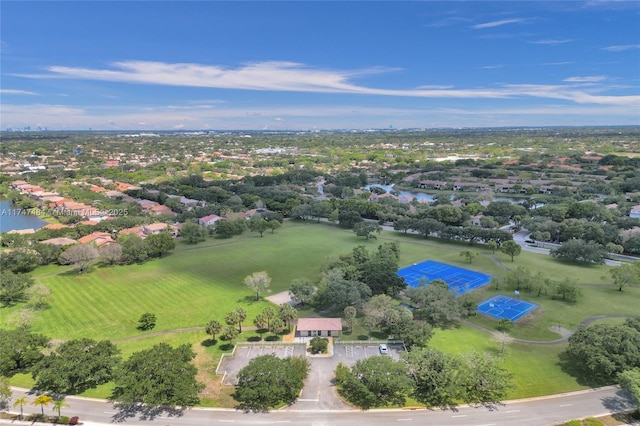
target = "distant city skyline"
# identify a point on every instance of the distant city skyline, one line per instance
(209, 65)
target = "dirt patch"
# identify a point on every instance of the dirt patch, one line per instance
(206, 366)
(280, 298)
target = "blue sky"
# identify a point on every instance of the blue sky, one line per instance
(318, 65)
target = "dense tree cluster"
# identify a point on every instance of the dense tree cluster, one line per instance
(602, 351)
(431, 377)
(523, 280)
(580, 251)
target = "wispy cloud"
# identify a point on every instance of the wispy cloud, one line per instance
(449, 21)
(499, 23)
(295, 77)
(434, 87)
(621, 47)
(16, 92)
(552, 42)
(586, 79)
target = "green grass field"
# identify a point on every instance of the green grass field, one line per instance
(198, 283)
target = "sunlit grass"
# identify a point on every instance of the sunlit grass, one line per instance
(198, 283)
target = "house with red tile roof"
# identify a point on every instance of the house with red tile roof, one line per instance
(98, 239)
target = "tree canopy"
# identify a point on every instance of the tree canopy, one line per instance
(630, 380)
(436, 303)
(580, 251)
(604, 350)
(376, 381)
(159, 376)
(268, 381)
(19, 351)
(77, 365)
(13, 287)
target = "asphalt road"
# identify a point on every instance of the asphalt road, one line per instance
(520, 237)
(532, 412)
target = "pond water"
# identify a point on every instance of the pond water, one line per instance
(12, 218)
(433, 197)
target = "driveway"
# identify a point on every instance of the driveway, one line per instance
(319, 392)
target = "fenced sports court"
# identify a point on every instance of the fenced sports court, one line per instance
(505, 307)
(459, 280)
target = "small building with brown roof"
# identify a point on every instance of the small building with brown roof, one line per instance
(319, 327)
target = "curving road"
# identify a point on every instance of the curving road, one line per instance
(541, 411)
(521, 236)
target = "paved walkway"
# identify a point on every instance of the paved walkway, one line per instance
(561, 330)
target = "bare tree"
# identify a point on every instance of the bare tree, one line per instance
(258, 282)
(80, 255)
(111, 253)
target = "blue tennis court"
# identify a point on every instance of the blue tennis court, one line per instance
(459, 280)
(505, 307)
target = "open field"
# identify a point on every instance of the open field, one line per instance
(535, 368)
(198, 283)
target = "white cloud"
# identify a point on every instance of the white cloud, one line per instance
(551, 41)
(16, 92)
(433, 86)
(286, 76)
(622, 47)
(295, 77)
(586, 79)
(494, 24)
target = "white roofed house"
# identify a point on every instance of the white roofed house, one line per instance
(209, 220)
(319, 327)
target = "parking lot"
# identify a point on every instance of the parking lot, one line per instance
(351, 353)
(347, 354)
(230, 366)
(319, 390)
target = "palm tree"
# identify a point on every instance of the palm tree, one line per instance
(42, 400)
(20, 401)
(241, 315)
(58, 404)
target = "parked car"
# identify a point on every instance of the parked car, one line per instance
(384, 350)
